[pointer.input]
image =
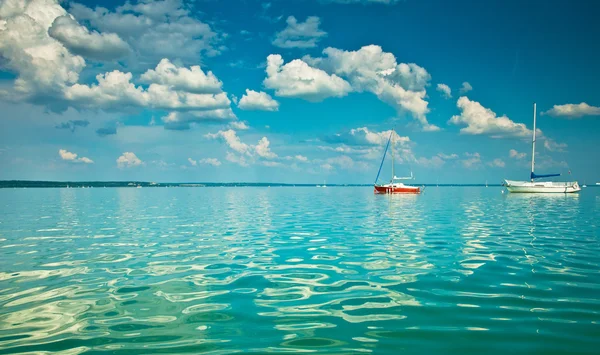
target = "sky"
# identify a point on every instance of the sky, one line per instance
(298, 91)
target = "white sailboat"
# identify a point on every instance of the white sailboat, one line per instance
(540, 186)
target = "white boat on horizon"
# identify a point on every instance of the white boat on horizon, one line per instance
(540, 186)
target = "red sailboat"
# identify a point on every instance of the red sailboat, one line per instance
(394, 186)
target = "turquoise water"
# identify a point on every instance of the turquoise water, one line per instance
(336, 270)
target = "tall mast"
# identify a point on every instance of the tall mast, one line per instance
(393, 156)
(533, 145)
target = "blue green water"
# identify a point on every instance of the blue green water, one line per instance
(277, 270)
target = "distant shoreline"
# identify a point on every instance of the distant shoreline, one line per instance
(135, 184)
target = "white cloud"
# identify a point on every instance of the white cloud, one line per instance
(301, 158)
(128, 160)
(553, 146)
(192, 80)
(300, 34)
(481, 120)
(192, 162)
(472, 160)
(364, 136)
(271, 164)
(448, 156)
(240, 160)
(79, 40)
(263, 150)
(298, 79)
(466, 87)
(210, 161)
(433, 162)
(42, 64)
(248, 153)
(436, 161)
(232, 140)
(327, 166)
(155, 29)
(516, 155)
(497, 163)
(72, 157)
(445, 90)
(115, 89)
(370, 69)
(239, 125)
(262, 101)
(571, 111)
(38, 39)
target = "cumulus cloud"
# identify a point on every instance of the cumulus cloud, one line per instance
(210, 161)
(270, 164)
(192, 162)
(239, 125)
(466, 87)
(364, 136)
(448, 156)
(115, 89)
(263, 150)
(40, 43)
(154, 29)
(261, 101)
(90, 44)
(433, 162)
(436, 161)
(232, 140)
(572, 111)
(72, 157)
(481, 120)
(247, 153)
(554, 146)
(472, 160)
(497, 163)
(128, 160)
(300, 34)
(237, 159)
(516, 155)
(445, 90)
(72, 124)
(43, 66)
(192, 80)
(403, 86)
(298, 79)
(301, 158)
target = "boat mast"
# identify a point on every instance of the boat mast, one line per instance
(393, 155)
(533, 145)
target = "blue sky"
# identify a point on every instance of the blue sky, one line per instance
(297, 91)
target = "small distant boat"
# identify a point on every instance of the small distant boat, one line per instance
(139, 186)
(394, 186)
(537, 186)
(486, 185)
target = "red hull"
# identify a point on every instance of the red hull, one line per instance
(397, 190)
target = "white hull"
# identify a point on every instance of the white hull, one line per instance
(542, 187)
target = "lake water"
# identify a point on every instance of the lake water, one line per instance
(325, 270)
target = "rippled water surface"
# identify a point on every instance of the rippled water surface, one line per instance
(336, 270)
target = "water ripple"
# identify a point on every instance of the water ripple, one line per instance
(290, 270)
